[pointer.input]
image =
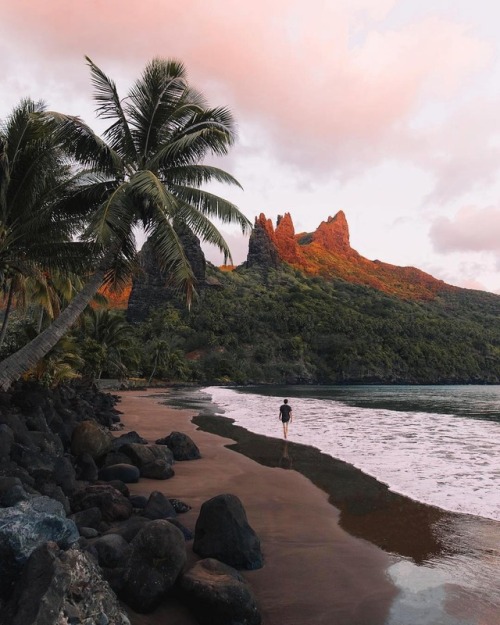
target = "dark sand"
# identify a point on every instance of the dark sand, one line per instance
(340, 548)
(315, 572)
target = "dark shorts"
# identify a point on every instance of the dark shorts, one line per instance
(285, 419)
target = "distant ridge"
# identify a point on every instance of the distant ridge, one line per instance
(327, 252)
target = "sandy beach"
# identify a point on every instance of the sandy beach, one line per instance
(314, 571)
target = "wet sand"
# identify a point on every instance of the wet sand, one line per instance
(315, 572)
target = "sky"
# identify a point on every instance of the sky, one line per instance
(386, 109)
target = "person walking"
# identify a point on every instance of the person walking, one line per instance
(285, 416)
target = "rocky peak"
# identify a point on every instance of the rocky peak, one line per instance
(333, 234)
(286, 241)
(152, 288)
(262, 250)
(327, 251)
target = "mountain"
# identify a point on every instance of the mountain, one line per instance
(307, 308)
(327, 252)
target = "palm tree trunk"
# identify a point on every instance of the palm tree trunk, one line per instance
(154, 369)
(3, 331)
(15, 365)
(40, 320)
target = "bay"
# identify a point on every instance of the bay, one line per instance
(423, 479)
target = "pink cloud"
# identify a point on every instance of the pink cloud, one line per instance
(295, 66)
(471, 230)
(333, 87)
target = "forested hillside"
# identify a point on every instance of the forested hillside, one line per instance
(278, 325)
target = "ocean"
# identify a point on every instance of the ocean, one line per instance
(436, 446)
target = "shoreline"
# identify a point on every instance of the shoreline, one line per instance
(399, 524)
(314, 571)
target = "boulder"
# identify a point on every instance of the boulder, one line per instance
(39, 465)
(112, 550)
(7, 484)
(157, 470)
(11, 469)
(158, 507)
(130, 528)
(26, 526)
(114, 457)
(113, 505)
(48, 442)
(49, 489)
(187, 533)
(139, 502)
(6, 441)
(86, 468)
(119, 485)
(181, 445)
(16, 424)
(127, 473)
(129, 437)
(91, 438)
(90, 517)
(64, 474)
(141, 455)
(222, 531)
(158, 557)
(13, 495)
(62, 587)
(217, 593)
(179, 506)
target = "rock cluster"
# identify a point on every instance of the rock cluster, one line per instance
(75, 545)
(327, 252)
(150, 288)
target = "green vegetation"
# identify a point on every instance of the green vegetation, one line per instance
(146, 172)
(283, 327)
(280, 326)
(70, 203)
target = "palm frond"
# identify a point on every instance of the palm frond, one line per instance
(110, 107)
(198, 175)
(209, 132)
(110, 222)
(170, 253)
(212, 205)
(202, 227)
(149, 193)
(84, 145)
(153, 99)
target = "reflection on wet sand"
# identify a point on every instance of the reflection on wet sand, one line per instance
(285, 461)
(446, 565)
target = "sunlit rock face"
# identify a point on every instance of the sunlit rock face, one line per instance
(333, 234)
(327, 252)
(286, 241)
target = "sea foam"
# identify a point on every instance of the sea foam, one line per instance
(448, 461)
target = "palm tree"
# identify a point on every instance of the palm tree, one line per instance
(109, 330)
(147, 171)
(35, 230)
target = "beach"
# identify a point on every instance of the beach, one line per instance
(339, 546)
(314, 571)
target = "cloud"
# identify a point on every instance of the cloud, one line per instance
(331, 83)
(462, 152)
(238, 244)
(471, 230)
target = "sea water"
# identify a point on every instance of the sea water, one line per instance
(436, 444)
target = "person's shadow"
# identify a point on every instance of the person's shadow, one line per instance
(285, 461)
